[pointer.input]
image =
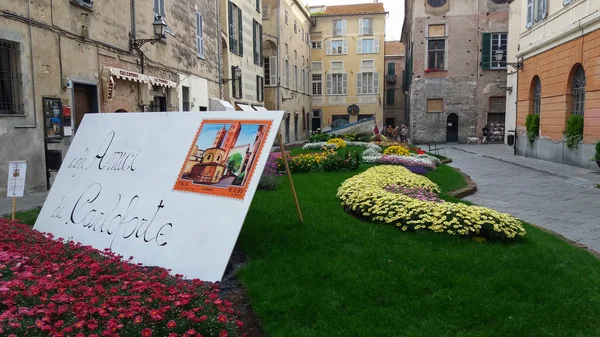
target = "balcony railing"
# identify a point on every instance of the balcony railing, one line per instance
(317, 100)
(390, 78)
(337, 100)
(368, 99)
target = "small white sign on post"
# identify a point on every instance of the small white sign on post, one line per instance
(17, 170)
(170, 189)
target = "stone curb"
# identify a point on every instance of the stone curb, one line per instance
(564, 176)
(569, 241)
(465, 191)
(446, 161)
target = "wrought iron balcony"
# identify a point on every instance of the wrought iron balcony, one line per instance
(390, 78)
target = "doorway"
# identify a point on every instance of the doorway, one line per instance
(316, 120)
(85, 100)
(287, 128)
(452, 128)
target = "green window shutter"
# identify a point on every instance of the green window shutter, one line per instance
(391, 68)
(486, 51)
(260, 41)
(233, 91)
(240, 36)
(254, 42)
(230, 26)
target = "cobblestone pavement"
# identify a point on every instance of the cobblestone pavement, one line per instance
(567, 206)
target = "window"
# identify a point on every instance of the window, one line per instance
(236, 39)
(317, 66)
(339, 27)
(295, 27)
(236, 83)
(337, 84)
(578, 91)
(436, 50)
(367, 64)
(270, 64)
(367, 46)
(365, 26)
(265, 12)
(159, 8)
(337, 66)
(367, 83)
(389, 97)
(10, 78)
(303, 35)
(339, 120)
(199, 36)
(537, 96)
(295, 54)
(258, 6)
(287, 50)
(317, 45)
(286, 73)
(391, 69)
(436, 3)
(308, 39)
(497, 104)
(493, 47)
(295, 77)
(286, 17)
(537, 10)
(185, 98)
(260, 88)
(337, 47)
(435, 105)
(84, 3)
(257, 43)
(566, 2)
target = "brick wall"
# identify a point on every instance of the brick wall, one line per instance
(554, 70)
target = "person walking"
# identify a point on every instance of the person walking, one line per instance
(376, 133)
(486, 132)
(404, 133)
(396, 134)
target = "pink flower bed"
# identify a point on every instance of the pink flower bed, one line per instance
(51, 288)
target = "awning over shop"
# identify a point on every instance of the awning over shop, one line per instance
(162, 82)
(128, 75)
(219, 105)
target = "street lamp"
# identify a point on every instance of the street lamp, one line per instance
(237, 73)
(160, 29)
(499, 55)
(503, 87)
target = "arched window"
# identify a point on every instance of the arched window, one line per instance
(537, 95)
(578, 91)
(436, 3)
(209, 157)
(218, 158)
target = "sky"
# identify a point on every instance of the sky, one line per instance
(209, 132)
(393, 24)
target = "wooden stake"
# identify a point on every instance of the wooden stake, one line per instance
(14, 208)
(289, 174)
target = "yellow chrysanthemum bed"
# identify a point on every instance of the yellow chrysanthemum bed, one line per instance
(365, 196)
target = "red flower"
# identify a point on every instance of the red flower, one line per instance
(171, 324)
(239, 323)
(147, 332)
(138, 319)
(223, 333)
(222, 318)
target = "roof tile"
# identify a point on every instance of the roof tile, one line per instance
(394, 48)
(355, 9)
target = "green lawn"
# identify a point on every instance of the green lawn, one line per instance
(26, 217)
(334, 275)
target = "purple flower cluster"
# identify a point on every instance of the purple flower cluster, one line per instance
(416, 193)
(407, 161)
(271, 166)
(417, 169)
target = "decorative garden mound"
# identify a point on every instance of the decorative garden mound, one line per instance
(394, 195)
(51, 288)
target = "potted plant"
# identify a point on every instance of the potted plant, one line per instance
(596, 157)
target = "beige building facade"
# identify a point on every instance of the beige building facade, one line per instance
(347, 64)
(286, 47)
(242, 52)
(61, 60)
(394, 111)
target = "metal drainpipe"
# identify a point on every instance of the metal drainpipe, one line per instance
(278, 54)
(133, 27)
(220, 51)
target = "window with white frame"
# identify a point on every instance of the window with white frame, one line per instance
(199, 36)
(337, 66)
(367, 46)
(236, 40)
(537, 10)
(286, 17)
(295, 27)
(270, 65)
(337, 80)
(317, 84)
(337, 47)
(317, 66)
(295, 77)
(317, 44)
(367, 83)
(365, 26)
(265, 12)
(339, 27)
(499, 44)
(367, 64)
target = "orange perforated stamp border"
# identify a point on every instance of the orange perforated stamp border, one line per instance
(222, 158)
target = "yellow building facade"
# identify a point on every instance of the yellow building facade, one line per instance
(347, 64)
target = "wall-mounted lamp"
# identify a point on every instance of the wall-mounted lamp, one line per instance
(237, 74)
(160, 29)
(503, 87)
(499, 55)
